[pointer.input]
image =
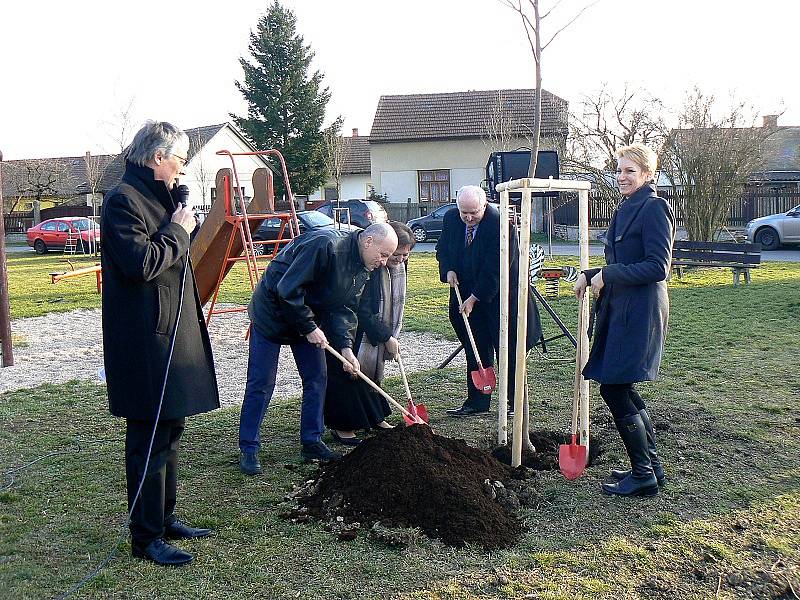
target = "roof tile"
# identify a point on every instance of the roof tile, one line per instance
(463, 114)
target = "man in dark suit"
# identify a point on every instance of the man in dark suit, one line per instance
(468, 252)
(157, 354)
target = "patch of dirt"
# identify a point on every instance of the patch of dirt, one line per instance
(409, 477)
(776, 583)
(81, 357)
(546, 456)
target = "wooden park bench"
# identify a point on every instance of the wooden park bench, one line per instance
(740, 258)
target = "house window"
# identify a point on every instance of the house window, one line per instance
(214, 192)
(330, 194)
(434, 186)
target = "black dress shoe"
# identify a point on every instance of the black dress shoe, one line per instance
(318, 451)
(162, 553)
(248, 463)
(467, 411)
(353, 441)
(180, 531)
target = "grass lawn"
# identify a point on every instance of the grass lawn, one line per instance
(727, 524)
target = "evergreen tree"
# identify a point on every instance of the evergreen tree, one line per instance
(286, 104)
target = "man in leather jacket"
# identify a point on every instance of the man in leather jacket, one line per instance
(307, 299)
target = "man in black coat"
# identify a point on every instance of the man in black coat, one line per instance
(307, 299)
(468, 252)
(158, 362)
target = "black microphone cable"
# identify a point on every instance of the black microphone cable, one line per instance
(123, 531)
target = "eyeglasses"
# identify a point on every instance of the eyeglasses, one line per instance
(182, 159)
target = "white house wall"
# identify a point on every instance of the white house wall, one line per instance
(395, 165)
(353, 186)
(204, 166)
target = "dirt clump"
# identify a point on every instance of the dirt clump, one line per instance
(409, 477)
(546, 456)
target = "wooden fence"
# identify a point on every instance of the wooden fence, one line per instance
(406, 212)
(17, 222)
(752, 204)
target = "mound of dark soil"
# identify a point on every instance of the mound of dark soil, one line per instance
(546, 456)
(411, 477)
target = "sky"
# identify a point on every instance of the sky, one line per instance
(69, 69)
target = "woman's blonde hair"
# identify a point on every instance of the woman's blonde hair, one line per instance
(641, 155)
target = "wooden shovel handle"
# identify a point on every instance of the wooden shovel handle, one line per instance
(578, 375)
(374, 385)
(469, 329)
(403, 376)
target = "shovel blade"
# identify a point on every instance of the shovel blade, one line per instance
(422, 412)
(484, 379)
(572, 460)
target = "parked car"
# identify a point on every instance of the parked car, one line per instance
(362, 212)
(52, 234)
(307, 219)
(773, 230)
(429, 227)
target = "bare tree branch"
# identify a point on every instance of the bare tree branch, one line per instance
(500, 127)
(200, 168)
(337, 151)
(710, 159)
(570, 22)
(552, 8)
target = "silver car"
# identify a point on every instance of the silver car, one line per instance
(773, 230)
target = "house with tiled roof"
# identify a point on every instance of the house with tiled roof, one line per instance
(424, 147)
(200, 171)
(52, 181)
(78, 180)
(355, 178)
(781, 158)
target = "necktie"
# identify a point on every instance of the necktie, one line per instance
(470, 234)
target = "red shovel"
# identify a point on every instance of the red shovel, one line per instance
(572, 456)
(406, 415)
(417, 410)
(483, 379)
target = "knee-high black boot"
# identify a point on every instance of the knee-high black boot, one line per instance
(641, 481)
(655, 461)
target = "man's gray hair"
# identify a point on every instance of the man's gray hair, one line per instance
(471, 191)
(379, 231)
(153, 137)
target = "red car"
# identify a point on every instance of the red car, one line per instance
(53, 234)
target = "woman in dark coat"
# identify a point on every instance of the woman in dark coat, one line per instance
(632, 308)
(147, 283)
(351, 404)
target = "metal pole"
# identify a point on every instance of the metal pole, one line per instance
(5, 314)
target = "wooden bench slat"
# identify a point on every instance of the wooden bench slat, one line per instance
(745, 259)
(716, 246)
(708, 255)
(713, 265)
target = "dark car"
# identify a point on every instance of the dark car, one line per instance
(362, 212)
(308, 219)
(429, 227)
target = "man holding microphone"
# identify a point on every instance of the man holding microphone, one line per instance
(157, 353)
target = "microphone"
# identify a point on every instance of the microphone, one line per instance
(182, 192)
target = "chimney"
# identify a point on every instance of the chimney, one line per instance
(355, 130)
(770, 120)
